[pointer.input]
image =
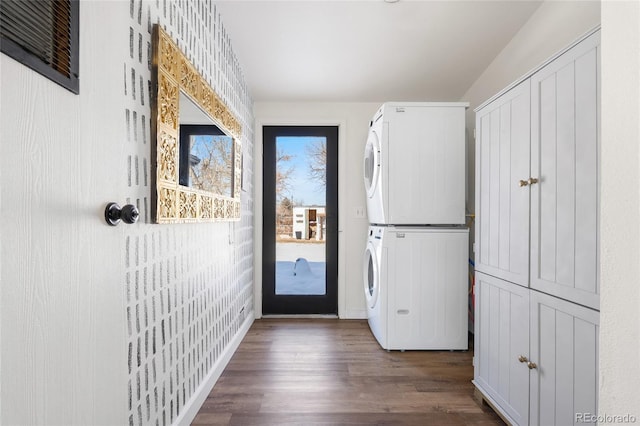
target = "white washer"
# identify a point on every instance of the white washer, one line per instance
(414, 164)
(415, 282)
(371, 273)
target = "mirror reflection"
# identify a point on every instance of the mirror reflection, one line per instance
(206, 152)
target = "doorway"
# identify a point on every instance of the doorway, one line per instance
(300, 220)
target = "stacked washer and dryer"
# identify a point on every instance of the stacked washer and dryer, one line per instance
(415, 263)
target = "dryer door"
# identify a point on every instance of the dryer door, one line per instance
(372, 162)
(370, 275)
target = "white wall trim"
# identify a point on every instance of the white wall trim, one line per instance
(258, 204)
(191, 408)
(257, 220)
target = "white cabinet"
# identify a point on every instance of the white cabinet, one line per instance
(537, 293)
(564, 346)
(564, 160)
(535, 355)
(501, 338)
(502, 206)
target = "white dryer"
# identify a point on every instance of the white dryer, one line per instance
(415, 284)
(414, 164)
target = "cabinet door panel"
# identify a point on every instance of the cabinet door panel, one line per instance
(501, 336)
(587, 121)
(502, 160)
(564, 345)
(586, 365)
(564, 159)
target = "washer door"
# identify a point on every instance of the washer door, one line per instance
(372, 163)
(370, 275)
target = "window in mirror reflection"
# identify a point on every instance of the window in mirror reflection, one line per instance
(206, 159)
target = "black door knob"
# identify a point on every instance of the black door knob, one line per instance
(113, 214)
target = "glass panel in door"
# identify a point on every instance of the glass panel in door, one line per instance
(301, 215)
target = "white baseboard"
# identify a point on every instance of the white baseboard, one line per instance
(191, 408)
(306, 316)
(355, 314)
(349, 315)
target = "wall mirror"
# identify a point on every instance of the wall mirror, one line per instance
(197, 156)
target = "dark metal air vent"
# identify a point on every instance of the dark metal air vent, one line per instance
(43, 35)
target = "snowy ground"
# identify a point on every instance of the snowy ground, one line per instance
(307, 276)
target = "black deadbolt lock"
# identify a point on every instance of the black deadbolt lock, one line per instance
(128, 214)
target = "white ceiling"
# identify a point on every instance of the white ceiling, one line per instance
(366, 50)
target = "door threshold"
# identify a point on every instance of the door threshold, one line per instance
(295, 316)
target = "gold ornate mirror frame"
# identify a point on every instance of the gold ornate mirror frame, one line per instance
(173, 73)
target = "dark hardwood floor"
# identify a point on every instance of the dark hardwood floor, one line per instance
(333, 372)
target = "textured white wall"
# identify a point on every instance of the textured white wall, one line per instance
(620, 211)
(103, 325)
(353, 119)
(188, 288)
